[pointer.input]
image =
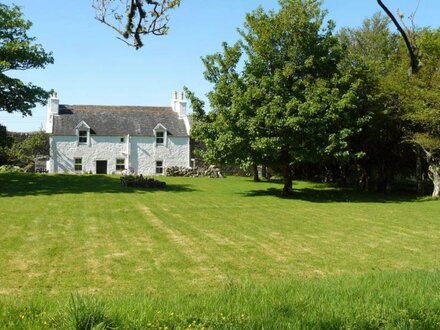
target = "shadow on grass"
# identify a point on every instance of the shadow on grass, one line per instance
(322, 194)
(42, 184)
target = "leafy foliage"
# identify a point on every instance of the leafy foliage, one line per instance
(23, 152)
(18, 51)
(296, 99)
(11, 169)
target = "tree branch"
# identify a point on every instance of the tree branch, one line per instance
(414, 59)
(141, 17)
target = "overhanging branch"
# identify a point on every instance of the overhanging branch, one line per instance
(414, 59)
(136, 18)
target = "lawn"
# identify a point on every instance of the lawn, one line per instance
(214, 253)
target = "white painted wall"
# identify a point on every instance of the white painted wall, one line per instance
(144, 153)
(141, 156)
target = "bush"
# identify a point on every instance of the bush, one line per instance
(11, 169)
(139, 181)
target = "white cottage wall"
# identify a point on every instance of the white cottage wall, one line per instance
(142, 155)
(145, 153)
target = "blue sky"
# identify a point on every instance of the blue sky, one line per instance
(93, 67)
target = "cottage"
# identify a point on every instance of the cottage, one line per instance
(113, 139)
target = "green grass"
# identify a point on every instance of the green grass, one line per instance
(214, 253)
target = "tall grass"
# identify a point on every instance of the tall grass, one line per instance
(378, 300)
(87, 313)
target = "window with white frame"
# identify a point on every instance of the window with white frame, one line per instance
(120, 164)
(78, 164)
(82, 136)
(159, 167)
(160, 137)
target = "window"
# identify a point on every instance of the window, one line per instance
(159, 167)
(78, 165)
(122, 140)
(160, 136)
(120, 164)
(82, 136)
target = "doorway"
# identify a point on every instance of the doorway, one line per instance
(101, 167)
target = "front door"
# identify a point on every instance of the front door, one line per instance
(101, 167)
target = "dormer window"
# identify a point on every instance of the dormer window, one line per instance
(160, 137)
(82, 136)
(83, 133)
(160, 134)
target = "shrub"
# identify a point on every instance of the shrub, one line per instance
(11, 169)
(141, 182)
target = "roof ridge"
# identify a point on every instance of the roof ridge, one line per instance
(114, 108)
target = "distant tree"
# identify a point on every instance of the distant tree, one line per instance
(374, 45)
(5, 143)
(134, 19)
(19, 52)
(296, 99)
(23, 152)
(4, 139)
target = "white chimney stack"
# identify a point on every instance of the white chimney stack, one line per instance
(53, 106)
(179, 104)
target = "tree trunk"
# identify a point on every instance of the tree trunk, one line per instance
(364, 179)
(343, 170)
(419, 172)
(433, 171)
(434, 175)
(264, 172)
(255, 172)
(287, 179)
(383, 182)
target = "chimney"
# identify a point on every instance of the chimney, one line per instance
(53, 104)
(179, 104)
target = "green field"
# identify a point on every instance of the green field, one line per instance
(213, 253)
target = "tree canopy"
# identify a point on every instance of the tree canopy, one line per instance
(25, 147)
(18, 51)
(296, 98)
(422, 103)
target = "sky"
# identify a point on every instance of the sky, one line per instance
(93, 67)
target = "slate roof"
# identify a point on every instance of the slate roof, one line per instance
(117, 120)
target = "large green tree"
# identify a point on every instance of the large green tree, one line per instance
(19, 52)
(422, 102)
(297, 97)
(405, 113)
(225, 130)
(377, 48)
(420, 93)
